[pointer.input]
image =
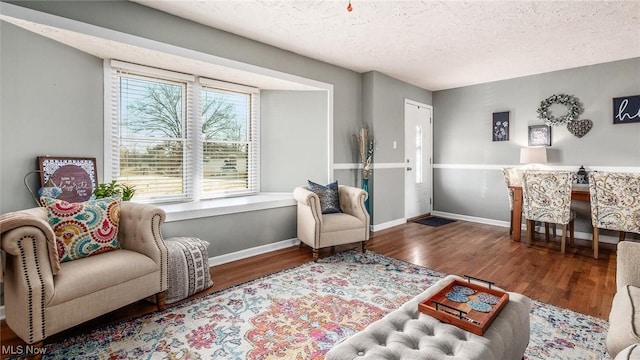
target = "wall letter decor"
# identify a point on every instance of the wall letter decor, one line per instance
(626, 109)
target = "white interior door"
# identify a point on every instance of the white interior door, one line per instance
(418, 146)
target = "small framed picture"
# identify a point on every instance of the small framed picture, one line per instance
(539, 135)
(501, 126)
(75, 176)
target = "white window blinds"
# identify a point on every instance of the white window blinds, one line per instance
(175, 138)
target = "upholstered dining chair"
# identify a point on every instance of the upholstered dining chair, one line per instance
(511, 178)
(546, 197)
(615, 204)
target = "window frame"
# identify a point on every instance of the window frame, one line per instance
(193, 141)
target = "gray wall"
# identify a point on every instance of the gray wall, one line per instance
(52, 104)
(68, 94)
(149, 23)
(231, 233)
(462, 134)
(294, 138)
(383, 104)
(47, 108)
(41, 114)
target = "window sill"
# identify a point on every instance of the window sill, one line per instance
(225, 206)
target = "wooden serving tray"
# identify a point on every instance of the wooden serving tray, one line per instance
(461, 314)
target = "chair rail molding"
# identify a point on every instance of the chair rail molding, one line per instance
(355, 166)
(627, 169)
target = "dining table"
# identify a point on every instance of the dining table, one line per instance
(579, 192)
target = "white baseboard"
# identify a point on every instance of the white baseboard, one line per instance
(578, 234)
(2, 312)
(258, 250)
(388, 224)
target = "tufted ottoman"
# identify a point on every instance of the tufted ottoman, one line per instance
(407, 334)
(188, 270)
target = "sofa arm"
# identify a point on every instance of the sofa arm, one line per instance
(28, 281)
(139, 230)
(628, 267)
(309, 216)
(309, 199)
(352, 202)
(37, 219)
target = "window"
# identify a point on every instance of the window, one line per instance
(180, 137)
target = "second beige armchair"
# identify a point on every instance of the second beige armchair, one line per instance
(323, 230)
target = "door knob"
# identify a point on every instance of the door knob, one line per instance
(409, 169)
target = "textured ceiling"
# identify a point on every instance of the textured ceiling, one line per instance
(432, 44)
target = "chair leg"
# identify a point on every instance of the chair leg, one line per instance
(554, 230)
(363, 246)
(333, 250)
(621, 236)
(546, 231)
(572, 225)
(315, 254)
(530, 225)
(595, 243)
(38, 350)
(564, 238)
(161, 300)
(511, 224)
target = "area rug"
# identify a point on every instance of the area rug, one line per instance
(434, 221)
(302, 312)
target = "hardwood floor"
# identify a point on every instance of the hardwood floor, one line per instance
(573, 280)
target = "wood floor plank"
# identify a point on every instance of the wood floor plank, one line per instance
(573, 280)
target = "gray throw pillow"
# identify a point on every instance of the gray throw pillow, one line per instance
(329, 197)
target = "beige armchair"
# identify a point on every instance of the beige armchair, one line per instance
(322, 230)
(43, 297)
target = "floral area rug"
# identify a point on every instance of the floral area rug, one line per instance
(300, 313)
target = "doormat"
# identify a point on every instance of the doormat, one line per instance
(434, 221)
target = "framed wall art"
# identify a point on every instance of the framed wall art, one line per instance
(75, 176)
(539, 135)
(501, 126)
(626, 109)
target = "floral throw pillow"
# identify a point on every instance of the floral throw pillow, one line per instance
(83, 229)
(329, 197)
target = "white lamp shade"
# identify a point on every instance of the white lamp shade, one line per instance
(533, 155)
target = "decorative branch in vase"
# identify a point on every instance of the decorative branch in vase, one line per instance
(366, 146)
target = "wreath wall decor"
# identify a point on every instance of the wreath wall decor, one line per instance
(572, 103)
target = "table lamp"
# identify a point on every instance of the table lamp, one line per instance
(533, 155)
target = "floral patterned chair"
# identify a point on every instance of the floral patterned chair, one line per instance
(547, 198)
(615, 204)
(510, 178)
